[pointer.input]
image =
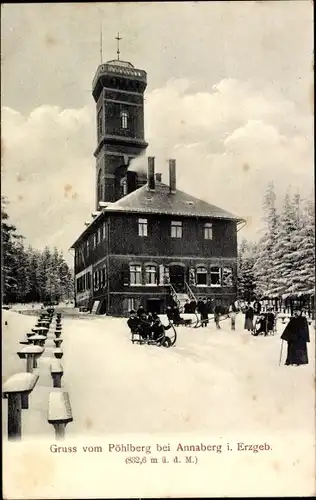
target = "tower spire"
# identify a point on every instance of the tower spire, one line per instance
(118, 38)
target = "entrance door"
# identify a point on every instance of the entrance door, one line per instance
(176, 274)
(154, 306)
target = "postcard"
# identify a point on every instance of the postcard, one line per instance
(158, 242)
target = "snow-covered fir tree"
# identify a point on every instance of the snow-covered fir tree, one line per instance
(263, 266)
(245, 270)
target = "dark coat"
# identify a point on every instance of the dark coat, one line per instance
(249, 314)
(296, 335)
(296, 329)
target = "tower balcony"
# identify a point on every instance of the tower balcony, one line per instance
(117, 74)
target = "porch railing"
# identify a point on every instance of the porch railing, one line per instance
(189, 292)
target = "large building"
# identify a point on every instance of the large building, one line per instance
(147, 241)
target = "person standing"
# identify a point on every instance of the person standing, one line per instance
(217, 315)
(249, 314)
(232, 311)
(296, 334)
(203, 313)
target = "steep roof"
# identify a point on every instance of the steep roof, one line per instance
(161, 201)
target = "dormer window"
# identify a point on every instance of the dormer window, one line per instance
(124, 119)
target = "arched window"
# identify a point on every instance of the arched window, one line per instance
(100, 186)
(201, 276)
(124, 119)
(151, 275)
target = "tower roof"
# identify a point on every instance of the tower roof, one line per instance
(118, 62)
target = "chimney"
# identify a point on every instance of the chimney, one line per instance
(158, 177)
(172, 176)
(151, 173)
(131, 179)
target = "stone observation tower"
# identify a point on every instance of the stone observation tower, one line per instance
(118, 90)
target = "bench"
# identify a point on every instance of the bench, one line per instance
(17, 389)
(59, 412)
(30, 353)
(57, 342)
(37, 339)
(58, 353)
(57, 372)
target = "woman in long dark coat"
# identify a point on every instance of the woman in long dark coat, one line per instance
(296, 334)
(249, 314)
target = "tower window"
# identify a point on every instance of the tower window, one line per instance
(176, 229)
(124, 186)
(100, 122)
(124, 119)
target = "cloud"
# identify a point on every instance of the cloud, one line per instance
(228, 143)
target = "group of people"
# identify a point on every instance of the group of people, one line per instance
(257, 321)
(147, 325)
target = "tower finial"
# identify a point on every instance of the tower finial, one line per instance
(118, 38)
(101, 42)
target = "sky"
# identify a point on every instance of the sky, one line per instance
(229, 96)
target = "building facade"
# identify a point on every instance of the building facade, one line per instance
(148, 243)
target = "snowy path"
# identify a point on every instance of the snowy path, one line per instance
(209, 381)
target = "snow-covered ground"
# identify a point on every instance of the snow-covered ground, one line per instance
(212, 382)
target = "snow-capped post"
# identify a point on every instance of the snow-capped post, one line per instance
(30, 353)
(58, 353)
(57, 333)
(57, 342)
(57, 372)
(17, 389)
(59, 412)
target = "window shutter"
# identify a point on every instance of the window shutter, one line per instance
(192, 279)
(125, 275)
(166, 275)
(161, 275)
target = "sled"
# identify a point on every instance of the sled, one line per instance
(164, 339)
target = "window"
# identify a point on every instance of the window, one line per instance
(176, 229)
(208, 231)
(201, 276)
(103, 277)
(151, 275)
(135, 275)
(95, 280)
(98, 235)
(130, 304)
(88, 246)
(227, 277)
(124, 186)
(215, 276)
(124, 119)
(104, 230)
(142, 227)
(88, 281)
(100, 186)
(100, 122)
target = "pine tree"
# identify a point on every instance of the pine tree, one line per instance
(303, 257)
(9, 255)
(246, 277)
(283, 264)
(263, 267)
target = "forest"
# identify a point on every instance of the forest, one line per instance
(28, 274)
(282, 262)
